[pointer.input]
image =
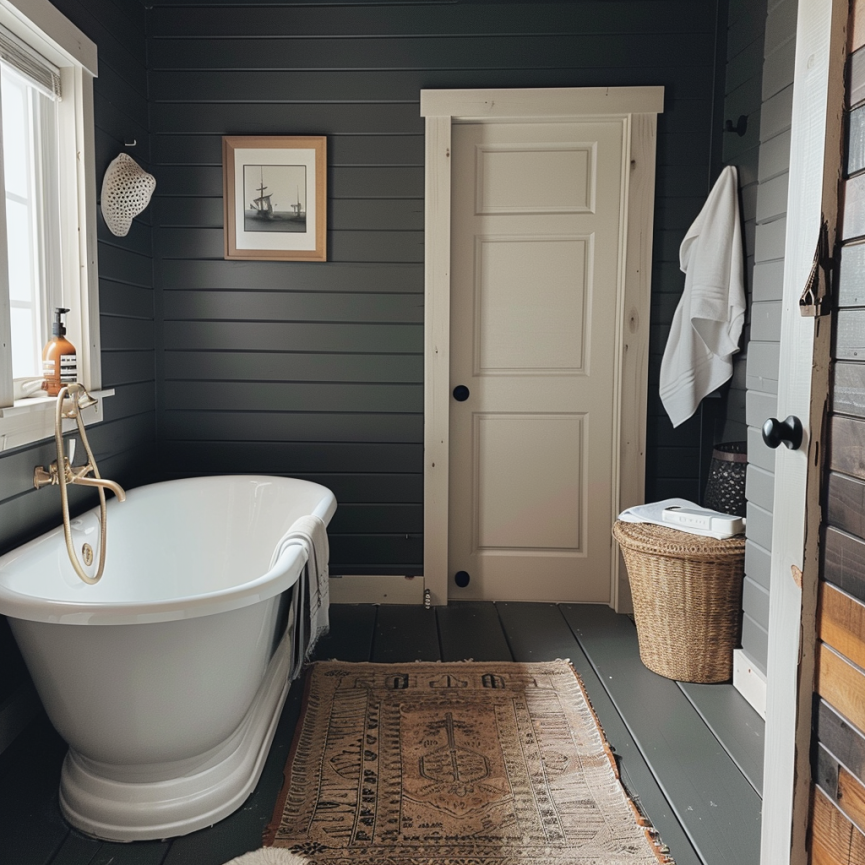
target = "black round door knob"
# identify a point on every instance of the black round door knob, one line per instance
(461, 578)
(461, 394)
(788, 431)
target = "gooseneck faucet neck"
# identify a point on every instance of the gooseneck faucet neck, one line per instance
(61, 473)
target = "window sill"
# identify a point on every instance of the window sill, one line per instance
(31, 419)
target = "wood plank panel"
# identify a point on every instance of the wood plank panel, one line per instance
(287, 119)
(389, 85)
(735, 724)
(344, 246)
(364, 459)
(399, 554)
(119, 366)
(841, 684)
(170, 149)
(844, 562)
(302, 276)
(846, 453)
(850, 334)
(841, 739)
(848, 393)
(856, 78)
(294, 396)
(845, 504)
(851, 268)
(471, 631)
(851, 797)
(291, 366)
(384, 19)
(855, 141)
(511, 52)
(856, 36)
(280, 427)
(297, 336)
(351, 634)
(835, 840)
(853, 208)
(841, 623)
(404, 634)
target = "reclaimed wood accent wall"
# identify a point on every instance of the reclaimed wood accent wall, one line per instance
(838, 806)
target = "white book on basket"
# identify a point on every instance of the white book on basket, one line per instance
(685, 516)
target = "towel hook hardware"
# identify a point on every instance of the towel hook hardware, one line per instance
(741, 126)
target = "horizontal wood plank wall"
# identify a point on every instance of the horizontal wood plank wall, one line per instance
(124, 445)
(838, 818)
(315, 370)
(766, 200)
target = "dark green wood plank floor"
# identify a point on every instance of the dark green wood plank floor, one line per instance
(637, 710)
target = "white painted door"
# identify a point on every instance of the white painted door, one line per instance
(536, 248)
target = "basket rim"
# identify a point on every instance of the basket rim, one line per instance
(674, 543)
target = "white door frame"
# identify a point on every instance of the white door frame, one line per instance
(815, 165)
(638, 107)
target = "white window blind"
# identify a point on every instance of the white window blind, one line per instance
(44, 76)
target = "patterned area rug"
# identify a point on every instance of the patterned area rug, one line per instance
(468, 763)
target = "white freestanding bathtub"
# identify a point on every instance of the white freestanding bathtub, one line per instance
(168, 676)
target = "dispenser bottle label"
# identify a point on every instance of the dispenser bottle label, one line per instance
(68, 368)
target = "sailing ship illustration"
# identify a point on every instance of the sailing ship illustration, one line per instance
(262, 206)
(299, 212)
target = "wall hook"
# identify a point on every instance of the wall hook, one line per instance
(130, 142)
(740, 128)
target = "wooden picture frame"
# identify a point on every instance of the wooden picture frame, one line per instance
(275, 197)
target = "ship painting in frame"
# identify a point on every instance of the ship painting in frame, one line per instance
(275, 197)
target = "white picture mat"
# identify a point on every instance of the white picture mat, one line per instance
(288, 241)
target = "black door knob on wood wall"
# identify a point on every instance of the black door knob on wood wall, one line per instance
(788, 431)
(461, 393)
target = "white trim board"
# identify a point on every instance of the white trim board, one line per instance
(749, 682)
(376, 589)
(815, 165)
(638, 107)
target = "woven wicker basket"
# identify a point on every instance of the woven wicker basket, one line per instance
(687, 592)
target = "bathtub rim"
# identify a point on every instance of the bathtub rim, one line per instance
(284, 574)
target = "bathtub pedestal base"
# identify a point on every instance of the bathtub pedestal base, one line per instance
(114, 803)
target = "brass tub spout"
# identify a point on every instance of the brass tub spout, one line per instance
(61, 472)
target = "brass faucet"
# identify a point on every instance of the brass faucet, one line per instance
(50, 476)
(61, 472)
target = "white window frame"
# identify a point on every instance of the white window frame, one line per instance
(48, 31)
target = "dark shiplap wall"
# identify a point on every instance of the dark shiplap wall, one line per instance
(743, 98)
(124, 444)
(315, 370)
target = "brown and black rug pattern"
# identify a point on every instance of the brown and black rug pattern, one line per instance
(436, 764)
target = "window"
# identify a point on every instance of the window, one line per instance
(48, 223)
(29, 129)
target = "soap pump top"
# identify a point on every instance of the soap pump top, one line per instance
(59, 328)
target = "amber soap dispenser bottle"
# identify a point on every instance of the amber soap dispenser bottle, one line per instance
(59, 360)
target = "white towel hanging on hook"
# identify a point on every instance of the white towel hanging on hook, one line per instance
(708, 321)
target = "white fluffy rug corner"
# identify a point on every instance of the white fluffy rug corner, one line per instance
(269, 856)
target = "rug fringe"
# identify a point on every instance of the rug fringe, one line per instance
(661, 850)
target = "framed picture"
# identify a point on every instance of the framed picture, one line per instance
(275, 197)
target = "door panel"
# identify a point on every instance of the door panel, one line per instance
(535, 251)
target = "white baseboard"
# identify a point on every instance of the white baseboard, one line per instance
(16, 712)
(749, 681)
(383, 589)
